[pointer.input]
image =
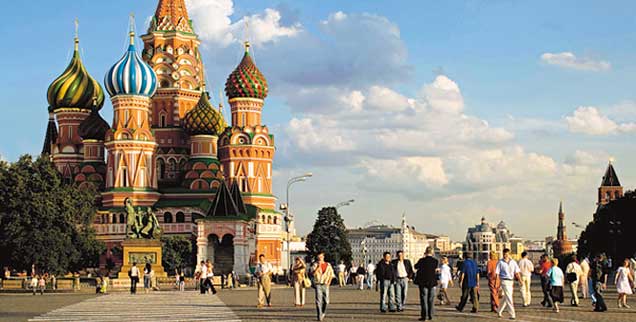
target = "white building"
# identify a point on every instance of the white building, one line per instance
(368, 244)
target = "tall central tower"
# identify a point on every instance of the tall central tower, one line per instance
(130, 143)
(561, 245)
(171, 48)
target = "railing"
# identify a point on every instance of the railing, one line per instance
(108, 229)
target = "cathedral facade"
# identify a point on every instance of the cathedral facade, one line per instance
(168, 147)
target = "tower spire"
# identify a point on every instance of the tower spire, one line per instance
(131, 31)
(76, 39)
(171, 15)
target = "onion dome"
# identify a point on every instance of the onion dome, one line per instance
(246, 80)
(94, 127)
(75, 88)
(131, 75)
(204, 118)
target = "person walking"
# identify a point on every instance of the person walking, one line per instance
(544, 267)
(203, 278)
(209, 278)
(599, 280)
(493, 281)
(342, 281)
(370, 275)
(385, 273)
(624, 281)
(263, 275)
(574, 276)
(323, 274)
(526, 268)
(469, 282)
(361, 273)
(34, 283)
(353, 273)
(555, 274)
(445, 279)
(147, 277)
(197, 276)
(584, 281)
(133, 273)
(508, 272)
(404, 271)
(426, 280)
(298, 281)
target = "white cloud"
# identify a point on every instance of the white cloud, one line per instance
(213, 23)
(444, 95)
(589, 120)
(571, 61)
(428, 171)
(308, 138)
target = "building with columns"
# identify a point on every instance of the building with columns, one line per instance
(168, 148)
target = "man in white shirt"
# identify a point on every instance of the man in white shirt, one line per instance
(203, 277)
(404, 272)
(571, 271)
(341, 274)
(134, 278)
(508, 271)
(526, 268)
(370, 275)
(263, 275)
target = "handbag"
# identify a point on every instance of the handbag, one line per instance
(572, 277)
(306, 282)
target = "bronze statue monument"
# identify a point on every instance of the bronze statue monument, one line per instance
(141, 224)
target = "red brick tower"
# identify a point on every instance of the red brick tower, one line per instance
(610, 188)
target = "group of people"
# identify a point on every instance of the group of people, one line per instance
(150, 280)
(356, 275)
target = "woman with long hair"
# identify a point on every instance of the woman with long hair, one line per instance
(147, 277)
(624, 281)
(298, 281)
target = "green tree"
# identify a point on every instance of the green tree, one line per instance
(177, 252)
(44, 221)
(330, 236)
(610, 230)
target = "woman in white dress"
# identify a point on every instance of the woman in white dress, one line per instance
(623, 281)
(445, 278)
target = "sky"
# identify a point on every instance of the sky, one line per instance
(445, 111)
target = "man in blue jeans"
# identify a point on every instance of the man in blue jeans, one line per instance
(385, 273)
(469, 281)
(426, 279)
(323, 274)
(404, 272)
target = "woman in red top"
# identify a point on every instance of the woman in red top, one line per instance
(493, 281)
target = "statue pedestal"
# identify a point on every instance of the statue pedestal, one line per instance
(142, 251)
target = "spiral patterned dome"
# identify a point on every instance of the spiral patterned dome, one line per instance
(131, 75)
(75, 88)
(246, 80)
(204, 118)
(94, 127)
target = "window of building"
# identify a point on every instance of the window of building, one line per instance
(180, 217)
(167, 218)
(114, 219)
(122, 219)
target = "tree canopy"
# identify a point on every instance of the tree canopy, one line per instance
(330, 236)
(44, 221)
(610, 230)
(177, 252)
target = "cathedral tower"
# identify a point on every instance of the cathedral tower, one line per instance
(246, 150)
(610, 188)
(130, 143)
(71, 97)
(171, 48)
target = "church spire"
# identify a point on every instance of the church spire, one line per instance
(561, 227)
(610, 188)
(171, 15)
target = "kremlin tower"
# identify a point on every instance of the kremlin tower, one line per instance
(561, 245)
(610, 188)
(168, 148)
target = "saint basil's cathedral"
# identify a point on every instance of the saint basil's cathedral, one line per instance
(168, 147)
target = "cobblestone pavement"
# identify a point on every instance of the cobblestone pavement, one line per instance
(349, 304)
(23, 306)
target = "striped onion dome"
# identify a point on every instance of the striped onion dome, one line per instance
(131, 75)
(94, 127)
(204, 118)
(75, 88)
(246, 80)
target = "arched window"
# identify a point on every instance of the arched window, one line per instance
(180, 217)
(114, 219)
(167, 218)
(161, 168)
(269, 219)
(617, 195)
(122, 219)
(162, 120)
(608, 196)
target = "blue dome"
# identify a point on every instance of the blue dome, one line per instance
(131, 75)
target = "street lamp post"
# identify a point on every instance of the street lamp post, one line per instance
(289, 218)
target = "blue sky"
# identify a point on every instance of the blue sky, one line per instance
(444, 110)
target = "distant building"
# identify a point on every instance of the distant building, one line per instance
(484, 238)
(368, 244)
(562, 245)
